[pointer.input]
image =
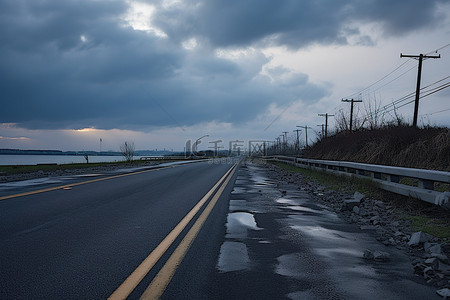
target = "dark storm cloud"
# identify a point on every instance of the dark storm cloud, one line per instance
(74, 64)
(292, 23)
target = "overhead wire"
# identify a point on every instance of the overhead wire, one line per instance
(426, 91)
(379, 80)
(388, 74)
(400, 102)
(393, 71)
(436, 112)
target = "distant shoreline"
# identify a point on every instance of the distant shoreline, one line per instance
(82, 153)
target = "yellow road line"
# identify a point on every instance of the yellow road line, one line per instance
(67, 186)
(162, 279)
(125, 289)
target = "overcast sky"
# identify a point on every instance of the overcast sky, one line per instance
(158, 73)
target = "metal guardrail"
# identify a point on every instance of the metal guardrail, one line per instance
(162, 158)
(389, 178)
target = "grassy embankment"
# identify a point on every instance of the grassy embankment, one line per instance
(427, 148)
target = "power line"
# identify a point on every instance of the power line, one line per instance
(379, 80)
(435, 82)
(435, 51)
(436, 112)
(389, 82)
(391, 72)
(410, 95)
(390, 107)
(437, 89)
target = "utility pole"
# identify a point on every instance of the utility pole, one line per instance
(297, 146)
(306, 133)
(351, 109)
(326, 122)
(419, 74)
(279, 145)
(323, 130)
(285, 140)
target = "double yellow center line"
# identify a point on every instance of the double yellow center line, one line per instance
(69, 186)
(162, 279)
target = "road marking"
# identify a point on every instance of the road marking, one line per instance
(69, 186)
(125, 289)
(162, 279)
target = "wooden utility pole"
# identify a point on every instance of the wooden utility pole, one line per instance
(279, 145)
(351, 109)
(297, 146)
(419, 74)
(326, 122)
(323, 129)
(285, 139)
(306, 133)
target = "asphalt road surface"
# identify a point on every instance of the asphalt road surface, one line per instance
(82, 237)
(196, 231)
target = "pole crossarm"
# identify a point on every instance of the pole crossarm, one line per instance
(418, 56)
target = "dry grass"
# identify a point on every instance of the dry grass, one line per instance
(427, 148)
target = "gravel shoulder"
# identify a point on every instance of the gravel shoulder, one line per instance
(384, 219)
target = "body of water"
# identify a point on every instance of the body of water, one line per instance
(52, 159)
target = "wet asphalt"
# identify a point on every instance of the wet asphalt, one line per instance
(263, 240)
(278, 244)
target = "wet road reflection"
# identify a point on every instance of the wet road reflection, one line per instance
(277, 232)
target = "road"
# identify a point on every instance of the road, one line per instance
(195, 231)
(82, 237)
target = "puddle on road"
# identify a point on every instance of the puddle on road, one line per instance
(233, 257)
(240, 181)
(239, 223)
(294, 205)
(319, 232)
(238, 190)
(341, 252)
(286, 201)
(304, 209)
(261, 180)
(264, 184)
(238, 205)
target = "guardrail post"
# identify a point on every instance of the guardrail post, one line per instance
(361, 172)
(393, 178)
(376, 175)
(426, 184)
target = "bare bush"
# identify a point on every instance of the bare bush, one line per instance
(127, 150)
(374, 114)
(397, 119)
(342, 122)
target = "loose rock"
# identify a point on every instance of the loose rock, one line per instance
(419, 238)
(443, 292)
